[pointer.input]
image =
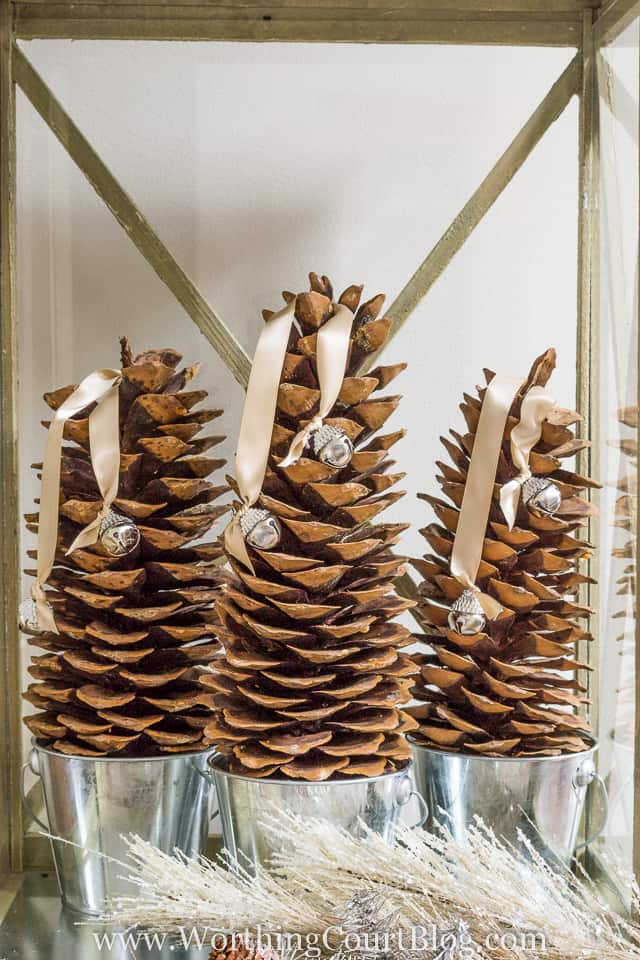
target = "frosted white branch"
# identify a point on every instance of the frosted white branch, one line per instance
(428, 879)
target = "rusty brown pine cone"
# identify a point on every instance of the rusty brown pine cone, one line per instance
(312, 673)
(512, 689)
(236, 948)
(121, 675)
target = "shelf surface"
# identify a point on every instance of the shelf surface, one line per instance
(37, 927)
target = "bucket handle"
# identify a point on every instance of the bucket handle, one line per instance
(31, 764)
(424, 810)
(207, 776)
(586, 779)
(403, 797)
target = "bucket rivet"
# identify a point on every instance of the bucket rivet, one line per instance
(583, 778)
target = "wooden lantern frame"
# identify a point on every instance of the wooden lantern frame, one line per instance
(580, 24)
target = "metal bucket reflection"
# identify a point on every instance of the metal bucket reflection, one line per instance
(244, 802)
(541, 797)
(92, 801)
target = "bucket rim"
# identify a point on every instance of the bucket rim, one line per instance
(415, 744)
(207, 751)
(292, 782)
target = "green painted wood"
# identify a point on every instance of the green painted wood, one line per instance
(10, 577)
(587, 352)
(135, 224)
(303, 23)
(366, 8)
(614, 18)
(9, 889)
(587, 349)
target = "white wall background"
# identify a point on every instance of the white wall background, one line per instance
(257, 163)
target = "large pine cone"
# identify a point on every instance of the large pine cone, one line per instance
(121, 676)
(311, 674)
(509, 690)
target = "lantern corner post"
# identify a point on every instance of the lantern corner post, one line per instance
(10, 729)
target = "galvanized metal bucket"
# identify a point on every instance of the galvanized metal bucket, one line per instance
(92, 802)
(245, 802)
(541, 797)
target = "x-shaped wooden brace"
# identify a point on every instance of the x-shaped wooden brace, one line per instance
(184, 289)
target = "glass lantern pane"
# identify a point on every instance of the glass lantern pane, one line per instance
(258, 163)
(361, 187)
(618, 76)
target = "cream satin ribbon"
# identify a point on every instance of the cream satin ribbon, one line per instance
(535, 409)
(332, 353)
(101, 388)
(256, 426)
(478, 492)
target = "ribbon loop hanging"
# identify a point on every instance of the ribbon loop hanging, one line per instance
(332, 354)
(535, 409)
(256, 426)
(101, 388)
(476, 502)
(104, 442)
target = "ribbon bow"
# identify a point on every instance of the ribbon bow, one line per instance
(535, 409)
(101, 388)
(256, 426)
(332, 354)
(476, 502)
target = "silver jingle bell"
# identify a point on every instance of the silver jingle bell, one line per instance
(28, 618)
(332, 446)
(542, 496)
(260, 528)
(467, 616)
(118, 534)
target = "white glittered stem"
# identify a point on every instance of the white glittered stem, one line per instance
(488, 886)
